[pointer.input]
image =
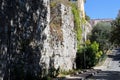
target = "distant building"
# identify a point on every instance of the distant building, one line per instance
(93, 22)
(73, 0)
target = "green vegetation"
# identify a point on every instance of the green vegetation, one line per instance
(115, 33)
(101, 60)
(87, 18)
(78, 23)
(54, 3)
(101, 34)
(93, 51)
(63, 73)
(88, 56)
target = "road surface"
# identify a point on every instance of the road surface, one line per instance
(110, 68)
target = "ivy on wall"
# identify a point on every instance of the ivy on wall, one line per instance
(78, 22)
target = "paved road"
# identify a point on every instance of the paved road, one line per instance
(110, 69)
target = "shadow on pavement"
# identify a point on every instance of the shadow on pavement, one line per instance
(106, 75)
(109, 74)
(115, 55)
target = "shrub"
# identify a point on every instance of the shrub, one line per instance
(88, 56)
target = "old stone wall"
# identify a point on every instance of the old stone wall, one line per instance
(30, 44)
(22, 35)
(60, 46)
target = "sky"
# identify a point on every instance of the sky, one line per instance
(97, 9)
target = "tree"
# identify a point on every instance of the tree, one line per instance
(87, 17)
(101, 34)
(115, 33)
(88, 56)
